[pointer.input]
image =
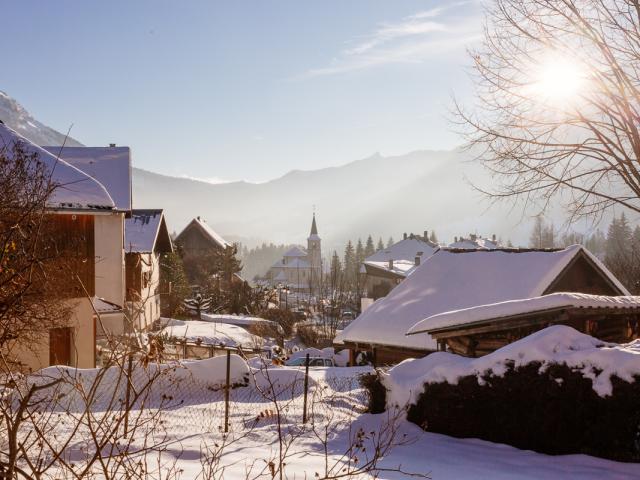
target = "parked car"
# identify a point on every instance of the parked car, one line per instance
(313, 362)
(348, 315)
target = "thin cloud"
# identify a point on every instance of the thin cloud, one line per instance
(413, 39)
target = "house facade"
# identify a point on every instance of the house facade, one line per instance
(80, 208)
(386, 268)
(453, 280)
(300, 270)
(111, 166)
(146, 239)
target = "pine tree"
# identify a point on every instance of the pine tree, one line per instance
(174, 285)
(618, 251)
(369, 248)
(349, 263)
(335, 272)
(390, 242)
(380, 245)
(359, 252)
(433, 237)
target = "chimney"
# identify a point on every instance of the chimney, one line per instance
(455, 239)
(426, 235)
(417, 261)
(198, 217)
(473, 236)
(112, 145)
(391, 264)
(493, 238)
(404, 235)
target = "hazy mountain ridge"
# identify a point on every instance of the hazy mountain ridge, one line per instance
(380, 195)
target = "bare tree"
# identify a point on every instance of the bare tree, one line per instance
(558, 90)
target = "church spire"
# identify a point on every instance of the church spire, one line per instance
(314, 228)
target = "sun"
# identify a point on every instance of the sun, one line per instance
(558, 80)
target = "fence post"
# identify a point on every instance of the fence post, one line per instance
(127, 395)
(306, 387)
(226, 393)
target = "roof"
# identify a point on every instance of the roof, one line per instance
(105, 307)
(75, 189)
(454, 280)
(111, 166)
(535, 305)
(297, 263)
(403, 254)
(146, 231)
(295, 252)
(475, 242)
(314, 229)
(209, 232)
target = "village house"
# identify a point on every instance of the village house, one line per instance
(146, 239)
(388, 267)
(111, 166)
(475, 241)
(198, 238)
(452, 280)
(83, 214)
(300, 270)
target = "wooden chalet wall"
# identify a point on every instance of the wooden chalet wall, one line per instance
(582, 277)
(72, 239)
(194, 242)
(133, 276)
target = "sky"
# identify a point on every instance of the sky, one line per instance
(243, 90)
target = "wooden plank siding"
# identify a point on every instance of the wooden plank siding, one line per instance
(133, 277)
(72, 240)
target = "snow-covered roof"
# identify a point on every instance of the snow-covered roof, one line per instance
(456, 280)
(204, 227)
(146, 229)
(295, 252)
(403, 254)
(105, 307)
(111, 166)
(550, 302)
(75, 189)
(209, 333)
(297, 263)
(475, 242)
(281, 276)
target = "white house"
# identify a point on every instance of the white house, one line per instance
(84, 210)
(111, 166)
(388, 267)
(146, 239)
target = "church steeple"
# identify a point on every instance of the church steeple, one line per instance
(314, 228)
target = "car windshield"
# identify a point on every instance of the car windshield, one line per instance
(296, 362)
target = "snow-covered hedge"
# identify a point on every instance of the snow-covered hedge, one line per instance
(557, 391)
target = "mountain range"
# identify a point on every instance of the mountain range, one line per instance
(379, 195)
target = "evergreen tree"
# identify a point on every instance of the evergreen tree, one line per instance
(390, 242)
(349, 263)
(359, 252)
(543, 234)
(174, 286)
(335, 272)
(369, 248)
(433, 237)
(380, 245)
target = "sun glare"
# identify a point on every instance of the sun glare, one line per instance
(559, 80)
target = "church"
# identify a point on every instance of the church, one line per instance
(300, 270)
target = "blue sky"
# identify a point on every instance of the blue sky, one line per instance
(242, 89)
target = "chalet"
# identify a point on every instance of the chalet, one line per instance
(459, 279)
(146, 239)
(111, 166)
(388, 267)
(481, 330)
(82, 211)
(198, 238)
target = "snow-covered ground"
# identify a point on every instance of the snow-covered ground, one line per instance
(192, 429)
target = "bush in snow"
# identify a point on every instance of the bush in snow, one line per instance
(556, 391)
(376, 392)
(552, 410)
